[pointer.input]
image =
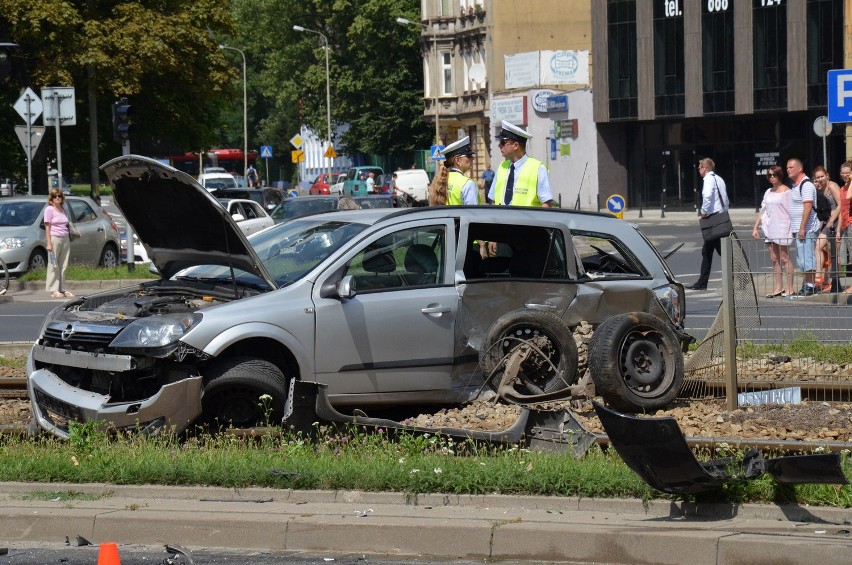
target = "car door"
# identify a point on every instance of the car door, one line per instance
(393, 341)
(87, 248)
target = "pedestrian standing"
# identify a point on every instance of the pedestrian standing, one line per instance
(774, 219)
(827, 230)
(844, 244)
(714, 200)
(804, 224)
(57, 236)
(452, 185)
(488, 175)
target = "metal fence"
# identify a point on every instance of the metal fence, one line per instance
(757, 343)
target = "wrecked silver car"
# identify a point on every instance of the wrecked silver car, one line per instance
(383, 306)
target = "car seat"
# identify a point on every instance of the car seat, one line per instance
(421, 265)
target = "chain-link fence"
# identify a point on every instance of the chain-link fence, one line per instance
(774, 342)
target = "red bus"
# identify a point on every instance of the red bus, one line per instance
(229, 159)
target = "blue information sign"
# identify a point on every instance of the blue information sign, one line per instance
(436, 153)
(615, 204)
(840, 96)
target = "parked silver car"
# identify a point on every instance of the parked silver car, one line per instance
(22, 233)
(385, 306)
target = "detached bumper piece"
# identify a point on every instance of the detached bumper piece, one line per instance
(656, 449)
(554, 431)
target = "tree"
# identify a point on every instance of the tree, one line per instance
(157, 53)
(375, 68)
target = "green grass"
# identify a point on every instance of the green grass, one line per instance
(88, 273)
(86, 190)
(352, 459)
(14, 362)
(801, 346)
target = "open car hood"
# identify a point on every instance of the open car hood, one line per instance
(179, 221)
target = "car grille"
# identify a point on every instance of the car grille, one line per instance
(76, 339)
(54, 407)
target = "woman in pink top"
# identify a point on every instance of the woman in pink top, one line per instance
(58, 244)
(775, 221)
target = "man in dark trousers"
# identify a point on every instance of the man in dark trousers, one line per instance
(714, 199)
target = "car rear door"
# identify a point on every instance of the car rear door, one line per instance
(393, 341)
(87, 248)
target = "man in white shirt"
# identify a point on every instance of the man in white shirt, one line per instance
(804, 223)
(714, 199)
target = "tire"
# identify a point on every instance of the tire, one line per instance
(109, 256)
(538, 375)
(636, 362)
(232, 391)
(38, 260)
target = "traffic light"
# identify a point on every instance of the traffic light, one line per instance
(6, 50)
(122, 129)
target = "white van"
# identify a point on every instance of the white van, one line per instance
(414, 183)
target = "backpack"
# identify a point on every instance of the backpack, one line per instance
(823, 206)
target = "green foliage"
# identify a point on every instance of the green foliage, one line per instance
(802, 345)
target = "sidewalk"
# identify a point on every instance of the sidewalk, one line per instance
(492, 527)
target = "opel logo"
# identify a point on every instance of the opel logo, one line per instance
(68, 332)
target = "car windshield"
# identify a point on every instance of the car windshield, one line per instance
(367, 202)
(288, 251)
(298, 207)
(213, 184)
(19, 213)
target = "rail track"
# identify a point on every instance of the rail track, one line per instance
(13, 388)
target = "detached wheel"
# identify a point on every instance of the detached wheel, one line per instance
(635, 362)
(556, 371)
(232, 393)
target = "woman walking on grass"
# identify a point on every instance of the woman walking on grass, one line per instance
(775, 221)
(58, 239)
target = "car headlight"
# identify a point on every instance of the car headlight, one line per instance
(155, 331)
(670, 298)
(12, 242)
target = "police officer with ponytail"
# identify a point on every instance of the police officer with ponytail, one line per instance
(452, 185)
(521, 180)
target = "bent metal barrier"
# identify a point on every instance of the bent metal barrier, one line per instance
(757, 343)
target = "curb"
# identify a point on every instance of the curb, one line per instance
(491, 527)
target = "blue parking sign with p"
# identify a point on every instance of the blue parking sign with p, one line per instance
(840, 96)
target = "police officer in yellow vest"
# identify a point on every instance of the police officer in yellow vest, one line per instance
(452, 185)
(521, 180)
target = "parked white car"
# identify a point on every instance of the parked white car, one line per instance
(414, 183)
(337, 187)
(249, 215)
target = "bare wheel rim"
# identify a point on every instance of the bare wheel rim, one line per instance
(644, 368)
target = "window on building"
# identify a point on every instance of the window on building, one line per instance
(717, 52)
(770, 54)
(446, 73)
(825, 46)
(621, 29)
(668, 59)
(446, 9)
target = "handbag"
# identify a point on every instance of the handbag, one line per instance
(716, 225)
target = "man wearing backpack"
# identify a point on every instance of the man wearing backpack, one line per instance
(804, 223)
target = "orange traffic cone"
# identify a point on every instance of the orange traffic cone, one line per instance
(108, 554)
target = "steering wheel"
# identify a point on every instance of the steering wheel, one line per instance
(610, 263)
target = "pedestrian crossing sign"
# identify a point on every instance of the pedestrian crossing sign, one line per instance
(266, 151)
(436, 153)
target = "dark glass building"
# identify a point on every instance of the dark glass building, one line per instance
(740, 82)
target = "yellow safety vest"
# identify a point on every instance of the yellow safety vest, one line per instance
(455, 183)
(525, 191)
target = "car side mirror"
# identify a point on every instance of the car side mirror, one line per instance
(346, 287)
(238, 217)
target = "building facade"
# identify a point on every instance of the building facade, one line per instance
(741, 82)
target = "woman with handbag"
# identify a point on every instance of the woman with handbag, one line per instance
(57, 234)
(715, 221)
(775, 221)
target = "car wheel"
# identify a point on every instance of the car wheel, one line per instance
(635, 362)
(551, 367)
(38, 259)
(233, 388)
(109, 256)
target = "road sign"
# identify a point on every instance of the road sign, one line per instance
(840, 96)
(297, 156)
(296, 141)
(266, 152)
(616, 205)
(67, 107)
(330, 153)
(31, 145)
(436, 153)
(29, 106)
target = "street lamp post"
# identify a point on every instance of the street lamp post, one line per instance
(245, 115)
(327, 92)
(435, 87)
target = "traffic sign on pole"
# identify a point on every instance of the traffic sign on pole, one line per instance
(266, 152)
(297, 156)
(330, 153)
(840, 96)
(616, 205)
(436, 153)
(29, 106)
(296, 141)
(30, 145)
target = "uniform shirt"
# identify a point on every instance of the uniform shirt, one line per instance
(542, 186)
(803, 192)
(710, 202)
